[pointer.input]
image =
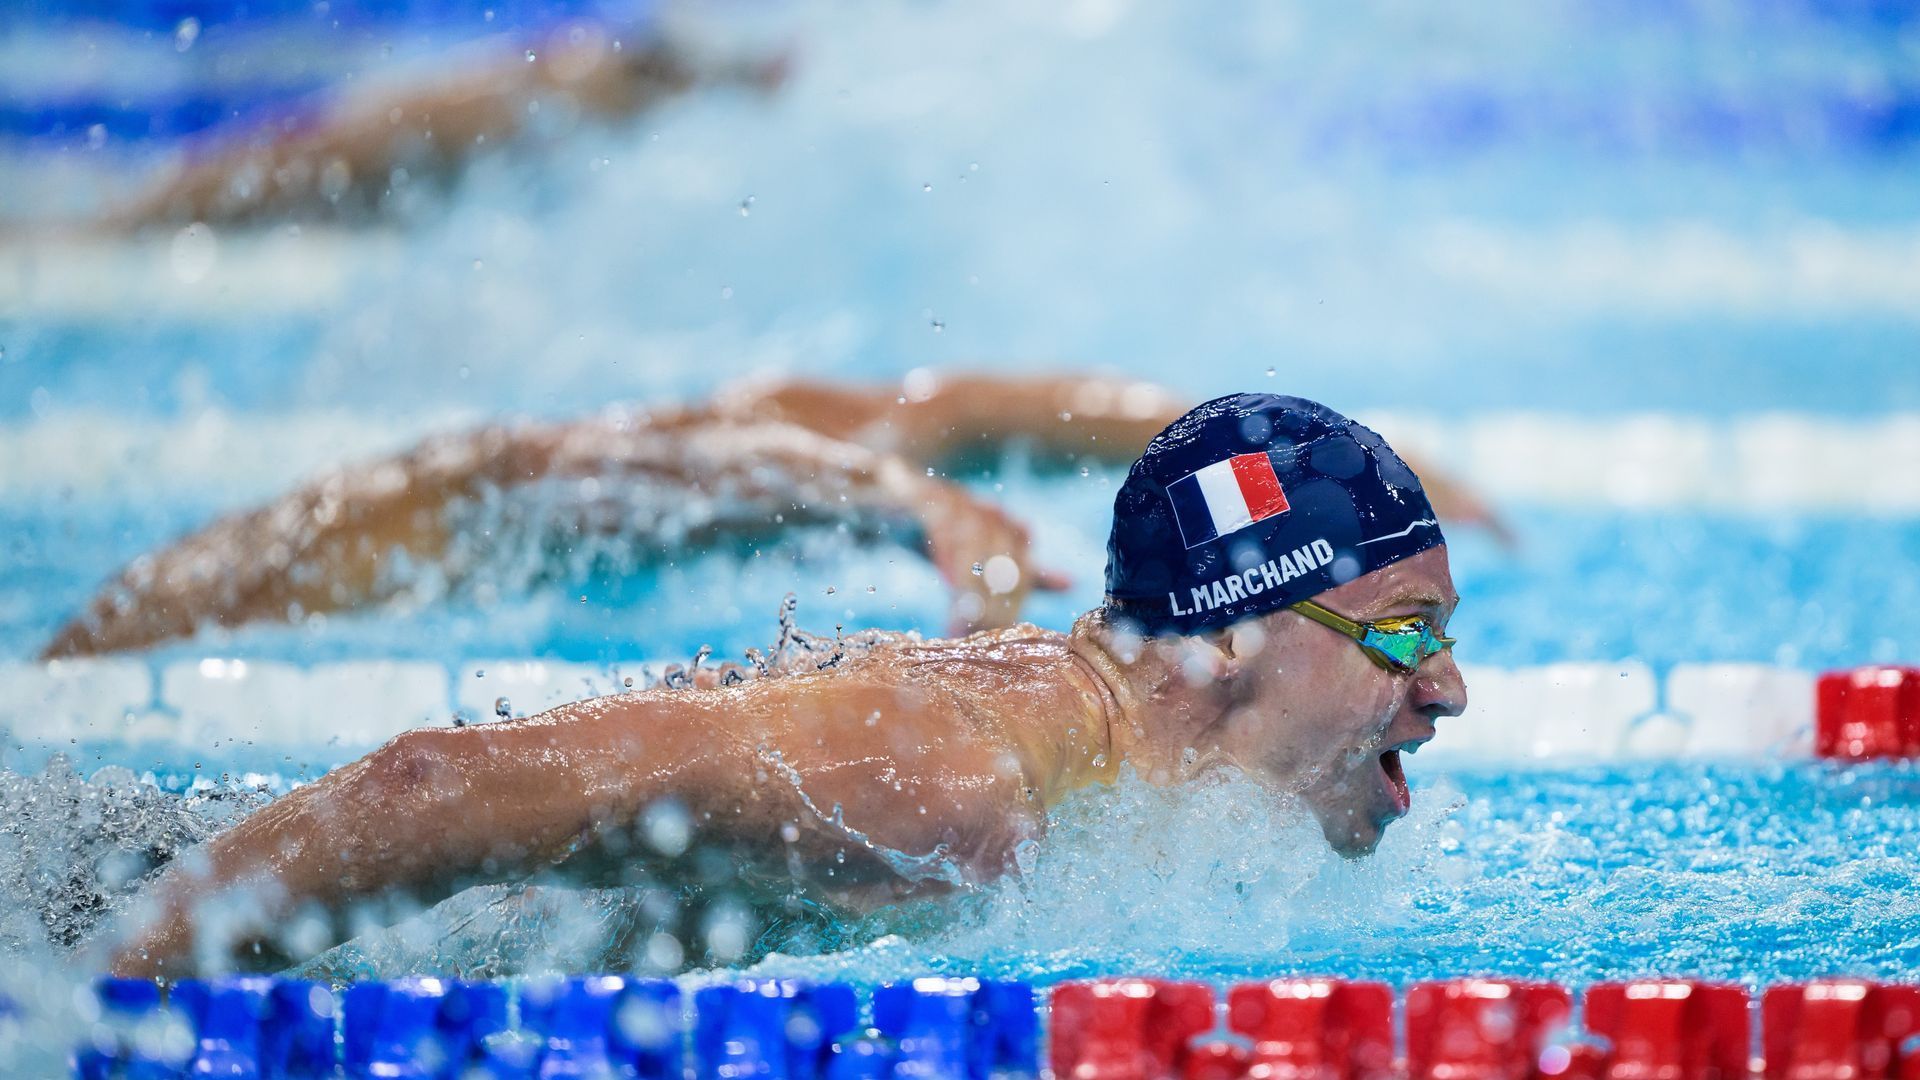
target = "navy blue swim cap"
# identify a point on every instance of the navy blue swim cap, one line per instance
(1251, 502)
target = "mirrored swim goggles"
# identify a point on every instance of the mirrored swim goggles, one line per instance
(1396, 644)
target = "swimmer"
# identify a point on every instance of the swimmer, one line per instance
(792, 453)
(1277, 594)
(340, 159)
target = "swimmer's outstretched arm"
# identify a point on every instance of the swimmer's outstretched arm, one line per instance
(340, 160)
(935, 418)
(356, 535)
(1074, 418)
(793, 775)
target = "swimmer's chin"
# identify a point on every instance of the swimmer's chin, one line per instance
(1353, 844)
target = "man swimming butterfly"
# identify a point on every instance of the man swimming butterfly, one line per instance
(1277, 592)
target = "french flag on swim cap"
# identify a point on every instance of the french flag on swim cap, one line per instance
(1225, 497)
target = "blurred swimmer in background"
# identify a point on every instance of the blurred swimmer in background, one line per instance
(1277, 597)
(341, 155)
(749, 464)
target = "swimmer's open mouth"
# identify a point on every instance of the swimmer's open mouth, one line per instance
(1397, 776)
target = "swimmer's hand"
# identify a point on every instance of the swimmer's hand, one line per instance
(983, 555)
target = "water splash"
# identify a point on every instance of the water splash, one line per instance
(74, 850)
(936, 865)
(1125, 881)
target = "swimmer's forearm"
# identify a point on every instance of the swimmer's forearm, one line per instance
(934, 418)
(1077, 417)
(433, 811)
(330, 545)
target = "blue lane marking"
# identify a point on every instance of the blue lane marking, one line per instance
(1450, 120)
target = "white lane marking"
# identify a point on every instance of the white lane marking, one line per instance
(1806, 268)
(1773, 464)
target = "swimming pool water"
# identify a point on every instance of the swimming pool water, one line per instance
(1569, 209)
(1752, 874)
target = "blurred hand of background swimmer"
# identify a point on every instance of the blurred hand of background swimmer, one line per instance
(788, 454)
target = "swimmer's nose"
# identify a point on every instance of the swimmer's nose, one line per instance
(1438, 688)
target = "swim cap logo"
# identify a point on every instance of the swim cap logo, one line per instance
(1225, 497)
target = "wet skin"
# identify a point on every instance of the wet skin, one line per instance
(915, 768)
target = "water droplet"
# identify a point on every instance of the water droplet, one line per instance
(830, 590)
(937, 325)
(480, 673)
(1084, 471)
(627, 682)
(1026, 855)
(978, 569)
(746, 206)
(870, 589)
(1269, 373)
(530, 56)
(502, 708)
(185, 33)
(667, 826)
(665, 952)
(926, 187)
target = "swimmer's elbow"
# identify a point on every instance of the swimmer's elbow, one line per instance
(416, 763)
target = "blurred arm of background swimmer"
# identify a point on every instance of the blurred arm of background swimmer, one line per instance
(792, 775)
(340, 160)
(333, 544)
(1064, 417)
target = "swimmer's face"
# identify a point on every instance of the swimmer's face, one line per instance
(1313, 713)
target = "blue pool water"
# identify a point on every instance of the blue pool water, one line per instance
(1564, 210)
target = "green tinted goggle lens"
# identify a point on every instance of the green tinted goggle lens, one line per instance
(1398, 644)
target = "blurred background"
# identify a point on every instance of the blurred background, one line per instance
(1646, 274)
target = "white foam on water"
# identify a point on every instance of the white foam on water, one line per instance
(1125, 881)
(245, 275)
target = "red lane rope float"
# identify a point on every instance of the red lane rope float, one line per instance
(1127, 1029)
(1841, 1029)
(1482, 1029)
(1868, 712)
(1320, 1028)
(1670, 1030)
